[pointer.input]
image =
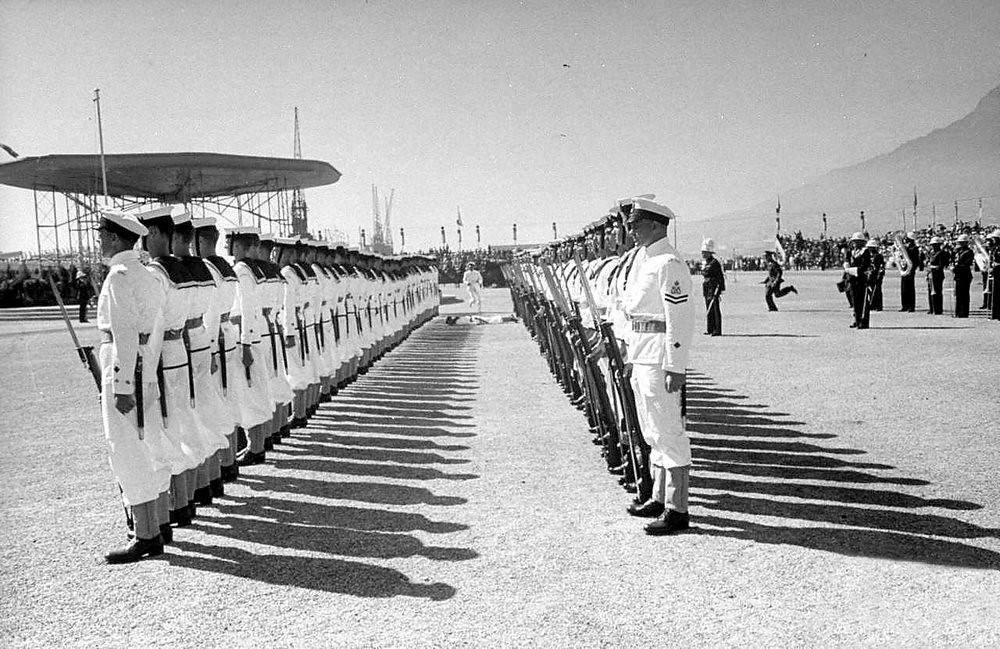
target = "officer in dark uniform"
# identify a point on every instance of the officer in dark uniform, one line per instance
(964, 259)
(994, 239)
(712, 288)
(857, 267)
(773, 282)
(908, 293)
(876, 275)
(937, 261)
(83, 291)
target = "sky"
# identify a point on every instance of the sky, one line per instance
(528, 113)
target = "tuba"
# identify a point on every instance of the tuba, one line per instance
(902, 257)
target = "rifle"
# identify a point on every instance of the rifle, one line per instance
(593, 384)
(223, 368)
(85, 352)
(629, 420)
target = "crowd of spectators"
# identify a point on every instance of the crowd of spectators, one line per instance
(802, 253)
(24, 286)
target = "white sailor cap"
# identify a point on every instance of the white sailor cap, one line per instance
(285, 241)
(206, 222)
(268, 236)
(243, 231)
(644, 208)
(154, 214)
(180, 215)
(858, 236)
(123, 221)
(872, 243)
(708, 245)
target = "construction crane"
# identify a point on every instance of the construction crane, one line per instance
(300, 221)
(388, 221)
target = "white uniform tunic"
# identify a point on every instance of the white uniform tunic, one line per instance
(129, 304)
(250, 320)
(658, 296)
(293, 322)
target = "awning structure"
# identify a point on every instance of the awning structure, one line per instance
(167, 177)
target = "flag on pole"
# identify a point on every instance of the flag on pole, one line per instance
(459, 219)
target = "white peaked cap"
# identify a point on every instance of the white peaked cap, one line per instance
(207, 222)
(268, 236)
(858, 236)
(649, 205)
(124, 221)
(708, 245)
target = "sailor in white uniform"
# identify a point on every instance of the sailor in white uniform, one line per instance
(657, 303)
(127, 309)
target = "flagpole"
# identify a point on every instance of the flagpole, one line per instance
(100, 138)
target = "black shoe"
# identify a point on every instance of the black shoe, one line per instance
(299, 422)
(285, 432)
(229, 473)
(903, 310)
(853, 325)
(218, 490)
(672, 523)
(167, 534)
(203, 496)
(714, 335)
(136, 550)
(648, 509)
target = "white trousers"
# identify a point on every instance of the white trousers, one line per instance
(140, 474)
(660, 417)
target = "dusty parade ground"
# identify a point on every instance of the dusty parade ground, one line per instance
(846, 492)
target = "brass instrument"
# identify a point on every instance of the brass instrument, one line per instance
(902, 257)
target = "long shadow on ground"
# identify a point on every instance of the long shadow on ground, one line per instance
(744, 461)
(379, 431)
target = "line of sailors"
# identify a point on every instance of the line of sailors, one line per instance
(864, 270)
(617, 331)
(207, 364)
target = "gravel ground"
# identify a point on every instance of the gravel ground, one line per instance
(844, 494)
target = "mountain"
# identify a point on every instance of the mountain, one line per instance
(958, 161)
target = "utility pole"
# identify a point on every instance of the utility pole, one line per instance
(100, 138)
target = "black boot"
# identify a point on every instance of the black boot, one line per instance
(203, 496)
(136, 550)
(647, 509)
(672, 523)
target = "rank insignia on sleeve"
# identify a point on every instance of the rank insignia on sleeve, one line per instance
(676, 294)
